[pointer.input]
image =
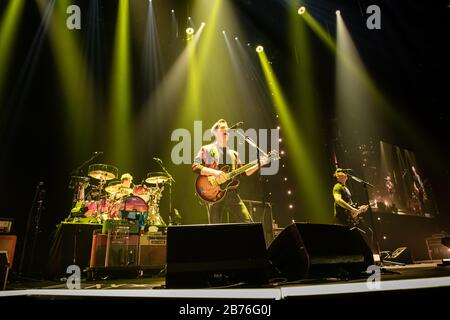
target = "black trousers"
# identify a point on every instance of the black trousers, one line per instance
(230, 210)
(362, 228)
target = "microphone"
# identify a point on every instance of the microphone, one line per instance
(237, 125)
(98, 152)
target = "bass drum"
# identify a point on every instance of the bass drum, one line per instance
(134, 203)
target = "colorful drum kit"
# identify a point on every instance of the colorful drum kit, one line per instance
(109, 198)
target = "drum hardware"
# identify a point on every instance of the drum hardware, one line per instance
(117, 190)
(103, 172)
(170, 181)
(156, 178)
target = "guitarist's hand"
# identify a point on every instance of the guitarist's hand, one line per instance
(358, 211)
(220, 176)
(263, 160)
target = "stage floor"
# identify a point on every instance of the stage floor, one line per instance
(401, 290)
(406, 277)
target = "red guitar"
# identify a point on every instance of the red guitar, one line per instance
(210, 190)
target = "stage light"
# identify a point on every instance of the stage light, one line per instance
(301, 10)
(291, 206)
(338, 12)
(202, 24)
(280, 140)
(235, 38)
(189, 18)
(248, 44)
(173, 11)
(285, 179)
(223, 31)
(289, 192)
(190, 31)
(259, 49)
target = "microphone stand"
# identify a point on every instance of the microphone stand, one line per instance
(39, 189)
(375, 235)
(259, 151)
(78, 170)
(171, 179)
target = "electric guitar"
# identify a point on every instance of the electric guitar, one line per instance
(354, 218)
(211, 190)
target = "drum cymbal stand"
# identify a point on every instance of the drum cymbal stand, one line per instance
(171, 180)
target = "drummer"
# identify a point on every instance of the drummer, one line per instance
(126, 179)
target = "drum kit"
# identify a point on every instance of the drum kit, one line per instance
(109, 198)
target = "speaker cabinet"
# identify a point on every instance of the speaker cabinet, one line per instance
(152, 251)
(262, 214)
(304, 250)
(8, 244)
(114, 251)
(216, 255)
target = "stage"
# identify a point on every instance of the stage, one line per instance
(426, 284)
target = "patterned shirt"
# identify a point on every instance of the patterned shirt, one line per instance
(214, 157)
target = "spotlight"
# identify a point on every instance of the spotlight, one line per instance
(248, 44)
(202, 24)
(338, 12)
(259, 49)
(301, 10)
(235, 38)
(189, 18)
(173, 11)
(190, 31)
(223, 31)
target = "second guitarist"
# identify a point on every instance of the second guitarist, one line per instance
(209, 161)
(345, 211)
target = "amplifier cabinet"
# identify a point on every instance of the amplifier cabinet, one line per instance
(109, 250)
(8, 244)
(152, 250)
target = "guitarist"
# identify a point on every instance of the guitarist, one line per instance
(419, 189)
(209, 161)
(345, 211)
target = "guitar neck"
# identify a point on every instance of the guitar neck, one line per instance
(242, 169)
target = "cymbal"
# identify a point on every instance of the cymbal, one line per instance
(116, 188)
(103, 171)
(156, 178)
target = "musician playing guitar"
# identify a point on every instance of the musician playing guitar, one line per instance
(344, 209)
(419, 189)
(211, 161)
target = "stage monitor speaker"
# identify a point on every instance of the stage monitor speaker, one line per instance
(201, 256)
(400, 255)
(305, 250)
